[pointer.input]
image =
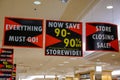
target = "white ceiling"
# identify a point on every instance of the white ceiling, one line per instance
(100, 14)
(32, 61)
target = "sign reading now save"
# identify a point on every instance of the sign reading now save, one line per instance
(63, 38)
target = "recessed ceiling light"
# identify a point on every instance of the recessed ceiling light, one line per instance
(98, 59)
(109, 7)
(53, 68)
(116, 62)
(64, 1)
(41, 64)
(80, 65)
(98, 62)
(113, 55)
(60, 64)
(65, 62)
(73, 58)
(37, 2)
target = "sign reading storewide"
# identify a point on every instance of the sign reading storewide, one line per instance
(63, 38)
(101, 36)
(23, 32)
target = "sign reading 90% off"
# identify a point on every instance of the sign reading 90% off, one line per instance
(63, 38)
(69, 42)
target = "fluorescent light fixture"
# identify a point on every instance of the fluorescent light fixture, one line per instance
(109, 7)
(37, 2)
(50, 76)
(40, 77)
(36, 76)
(98, 69)
(116, 72)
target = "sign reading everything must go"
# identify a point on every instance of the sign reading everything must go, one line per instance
(23, 32)
(63, 38)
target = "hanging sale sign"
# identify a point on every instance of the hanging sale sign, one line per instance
(101, 36)
(5, 76)
(6, 53)
(23, 32)
(63, 38)
(6, 64)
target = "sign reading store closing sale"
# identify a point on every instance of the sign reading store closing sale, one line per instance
(101, 36)
(63, 38)
(23, 32)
